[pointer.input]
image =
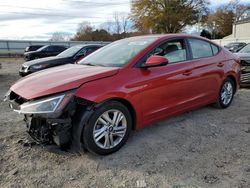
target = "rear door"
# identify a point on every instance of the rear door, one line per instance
(209, 69)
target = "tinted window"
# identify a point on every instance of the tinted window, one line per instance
(92, 49)
(44, 48)
(51, 48)
(70, 52)
(215, 49)
(82, 52)
(57, 48)
(61, 48)
(200, 48)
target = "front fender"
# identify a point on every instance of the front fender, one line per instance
(105, 89)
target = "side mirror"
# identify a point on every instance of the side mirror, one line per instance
(156, 61)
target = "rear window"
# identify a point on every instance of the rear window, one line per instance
(200, 48)
(215, 49)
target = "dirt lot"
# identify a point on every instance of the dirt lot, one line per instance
(203, 148)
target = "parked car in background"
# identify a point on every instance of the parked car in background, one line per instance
(244, 55)
(125, 85)
(235, 46)
(33, 48)
(45, 51)
(71, 55)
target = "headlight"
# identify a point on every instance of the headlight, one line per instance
(47, 105)
(39, 66)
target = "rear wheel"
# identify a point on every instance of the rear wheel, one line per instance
(107, 129)
(226, 94)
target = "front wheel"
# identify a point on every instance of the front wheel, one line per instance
(107, 129)
(226, 94)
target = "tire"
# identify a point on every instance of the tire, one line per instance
(106, 129)
(226, 94)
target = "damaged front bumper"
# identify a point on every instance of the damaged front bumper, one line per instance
(49, 131)
(48, 120)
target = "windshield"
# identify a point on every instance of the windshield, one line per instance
(246, 49)
(70, 52)
(42, 48)
(118, 54)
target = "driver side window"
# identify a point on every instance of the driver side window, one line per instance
(174, 51)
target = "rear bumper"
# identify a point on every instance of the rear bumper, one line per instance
(245, 72)
(245, 79)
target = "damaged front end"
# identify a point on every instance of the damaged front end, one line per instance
(48, 119)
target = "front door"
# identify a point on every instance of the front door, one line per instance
(169, 89)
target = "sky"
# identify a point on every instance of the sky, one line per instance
(39, 19)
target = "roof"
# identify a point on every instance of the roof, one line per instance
(168, 35)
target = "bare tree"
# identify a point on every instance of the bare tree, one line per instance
(124, 22)
(117, 23)
(57, 36)
(107, 26)
(83, 25)
(237, 8)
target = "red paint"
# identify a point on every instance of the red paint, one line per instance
(59, 79)
(155, 93)
(156, 60)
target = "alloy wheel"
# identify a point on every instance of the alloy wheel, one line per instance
(110, 129)
(227, 93)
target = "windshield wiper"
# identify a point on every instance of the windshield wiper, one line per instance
(90, 64)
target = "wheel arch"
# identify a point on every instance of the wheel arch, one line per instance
(128, 105)
(230, 76)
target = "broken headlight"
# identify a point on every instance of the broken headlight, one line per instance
(46, 105)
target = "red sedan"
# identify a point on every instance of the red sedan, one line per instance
(126, 85)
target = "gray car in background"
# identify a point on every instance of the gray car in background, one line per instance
(244, 55)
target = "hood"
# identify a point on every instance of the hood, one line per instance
(53, 59)
(243, 56)
(59, 79)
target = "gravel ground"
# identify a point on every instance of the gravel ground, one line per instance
(207, 147)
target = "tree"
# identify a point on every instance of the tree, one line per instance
(124, 22)
(107, 26)
(166, 16)
(220, 22)
(57, 36)
(237, 8)
(101, 35)
(84, 32)
(117, 23)
(205, 33)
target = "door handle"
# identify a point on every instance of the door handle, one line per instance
(187, 72)
(220, 64)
